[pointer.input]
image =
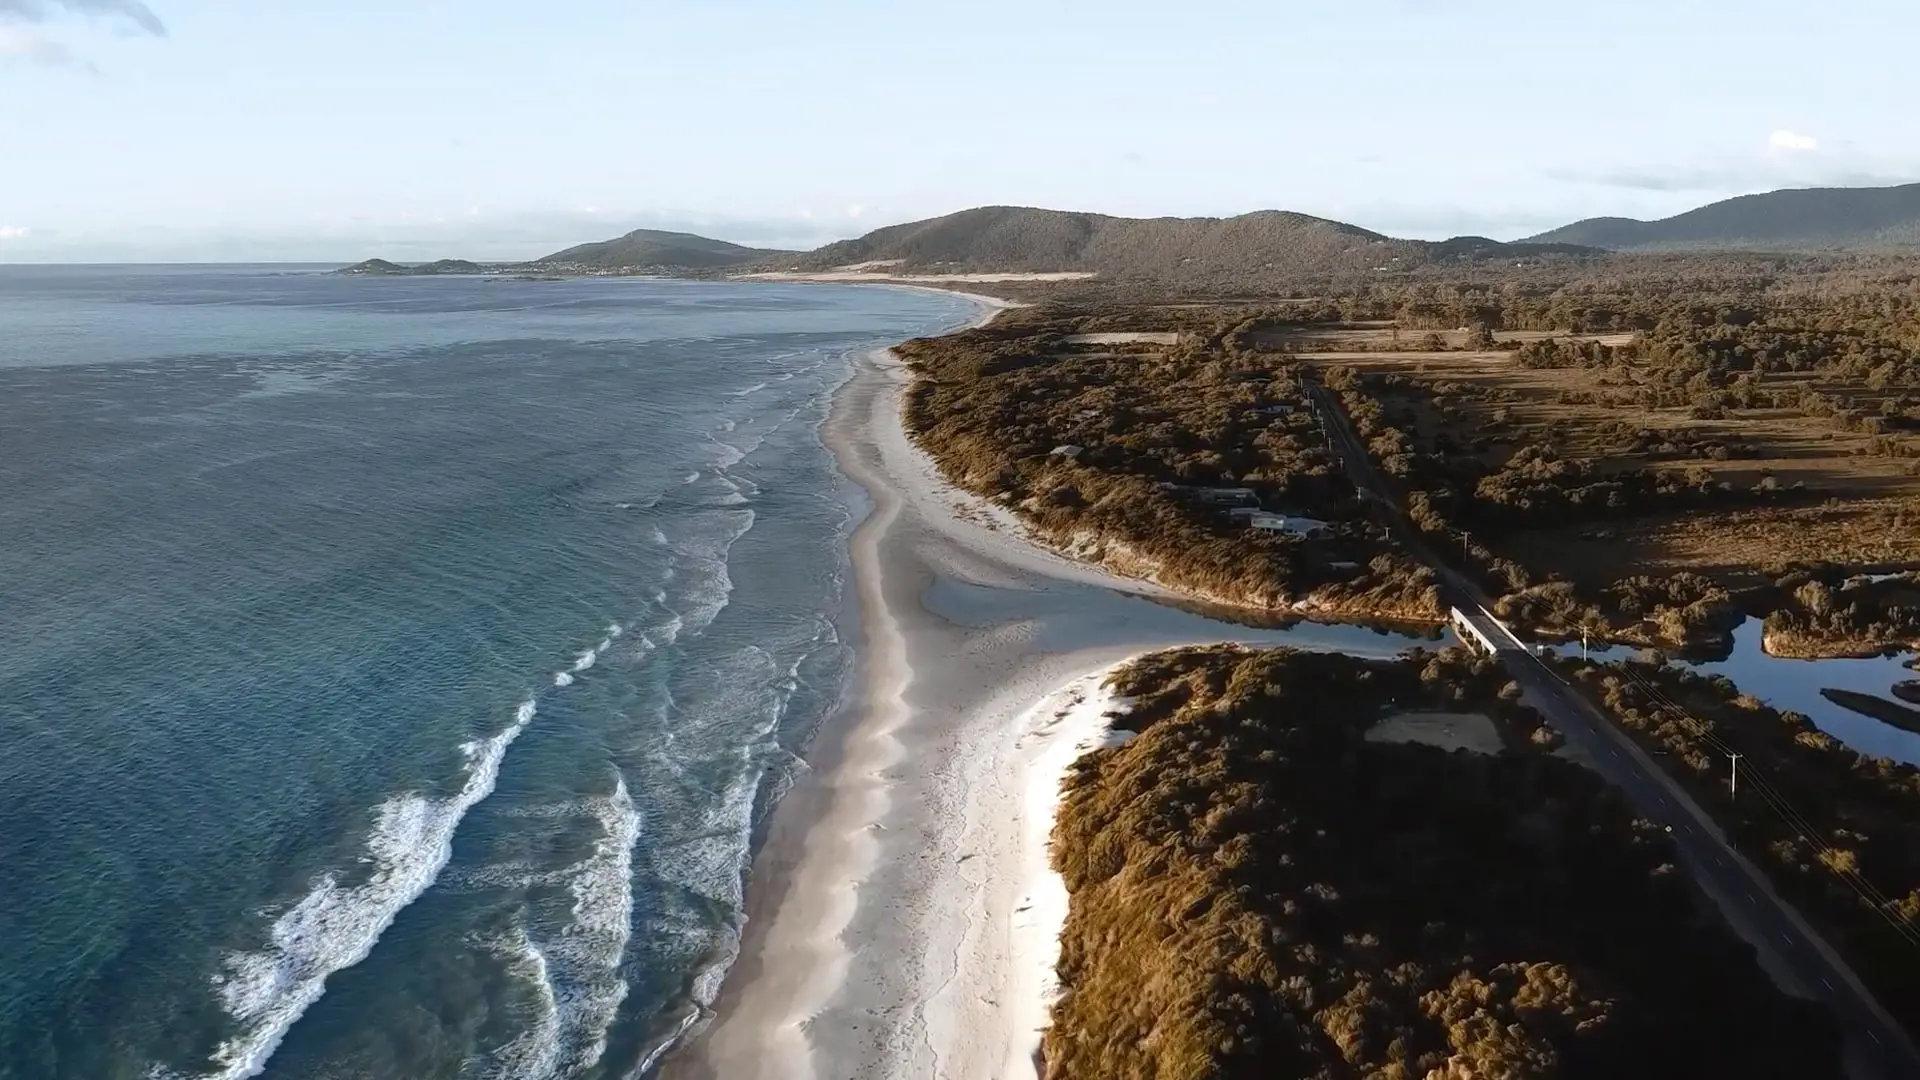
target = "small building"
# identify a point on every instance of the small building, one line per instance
(1068, 451)
(1306, 528)
(1227, 496)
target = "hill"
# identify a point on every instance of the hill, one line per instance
(441, 266)
(1263, 244)
(1788, 220)
(653, 248)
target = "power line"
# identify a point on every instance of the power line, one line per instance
(1779, 804)
(1791, 815)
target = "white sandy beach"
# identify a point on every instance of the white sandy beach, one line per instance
(903, 920)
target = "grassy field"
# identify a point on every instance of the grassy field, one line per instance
(1652, 485)
(1865, 509)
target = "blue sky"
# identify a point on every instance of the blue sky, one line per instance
(291, 129)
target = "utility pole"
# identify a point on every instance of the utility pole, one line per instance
(1466, 549)
(1733, 779)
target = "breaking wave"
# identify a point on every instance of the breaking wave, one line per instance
(335, 926)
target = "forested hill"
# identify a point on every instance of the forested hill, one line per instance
(644, 248)
(1791, 220)
(1250, 246)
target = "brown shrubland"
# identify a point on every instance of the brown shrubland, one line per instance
(1258, 891)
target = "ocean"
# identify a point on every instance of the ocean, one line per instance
(393, 671)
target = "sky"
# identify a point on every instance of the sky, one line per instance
(294, 130)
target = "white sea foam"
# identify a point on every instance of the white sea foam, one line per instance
(335, 926)
(590, 949)
(661, 636)
(578, 967)
(754, 389)
(507, 875)
(705, 988)
(587, 659)
(653, 1056)
(535, 1052)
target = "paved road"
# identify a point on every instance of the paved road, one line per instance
(1878, 1042)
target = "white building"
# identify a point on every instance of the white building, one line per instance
(1285, 523)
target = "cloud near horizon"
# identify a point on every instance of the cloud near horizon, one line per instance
(1792, 142)
(1790, 159)
(13, 232)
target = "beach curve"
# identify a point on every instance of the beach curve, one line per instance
(902, 918)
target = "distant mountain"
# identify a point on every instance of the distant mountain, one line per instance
(441, 266)
(1261, 244)
(652, 248)
(1266, 245)
(1796, 219)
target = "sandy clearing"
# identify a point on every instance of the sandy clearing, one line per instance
(1472, 732)
(1148, 338)
(883, 278)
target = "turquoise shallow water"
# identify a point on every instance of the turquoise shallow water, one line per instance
(392, 671)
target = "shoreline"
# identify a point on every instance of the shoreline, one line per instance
(895, 923)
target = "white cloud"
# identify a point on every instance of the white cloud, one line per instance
(1792, 142)
(133, 12)
(856, 210)
(13, 232)
(22, 42)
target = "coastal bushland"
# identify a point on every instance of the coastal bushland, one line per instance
(1106, 448)
(1835, 830)
(1257, 890)
(1819, 615)
(1637, 447)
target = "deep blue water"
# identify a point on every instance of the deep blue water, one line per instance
(391, 670)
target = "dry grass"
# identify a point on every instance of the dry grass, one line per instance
(1384, 335)
(1872, 516)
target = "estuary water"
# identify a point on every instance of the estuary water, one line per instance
(392, 671)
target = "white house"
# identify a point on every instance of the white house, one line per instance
(1293, 526)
